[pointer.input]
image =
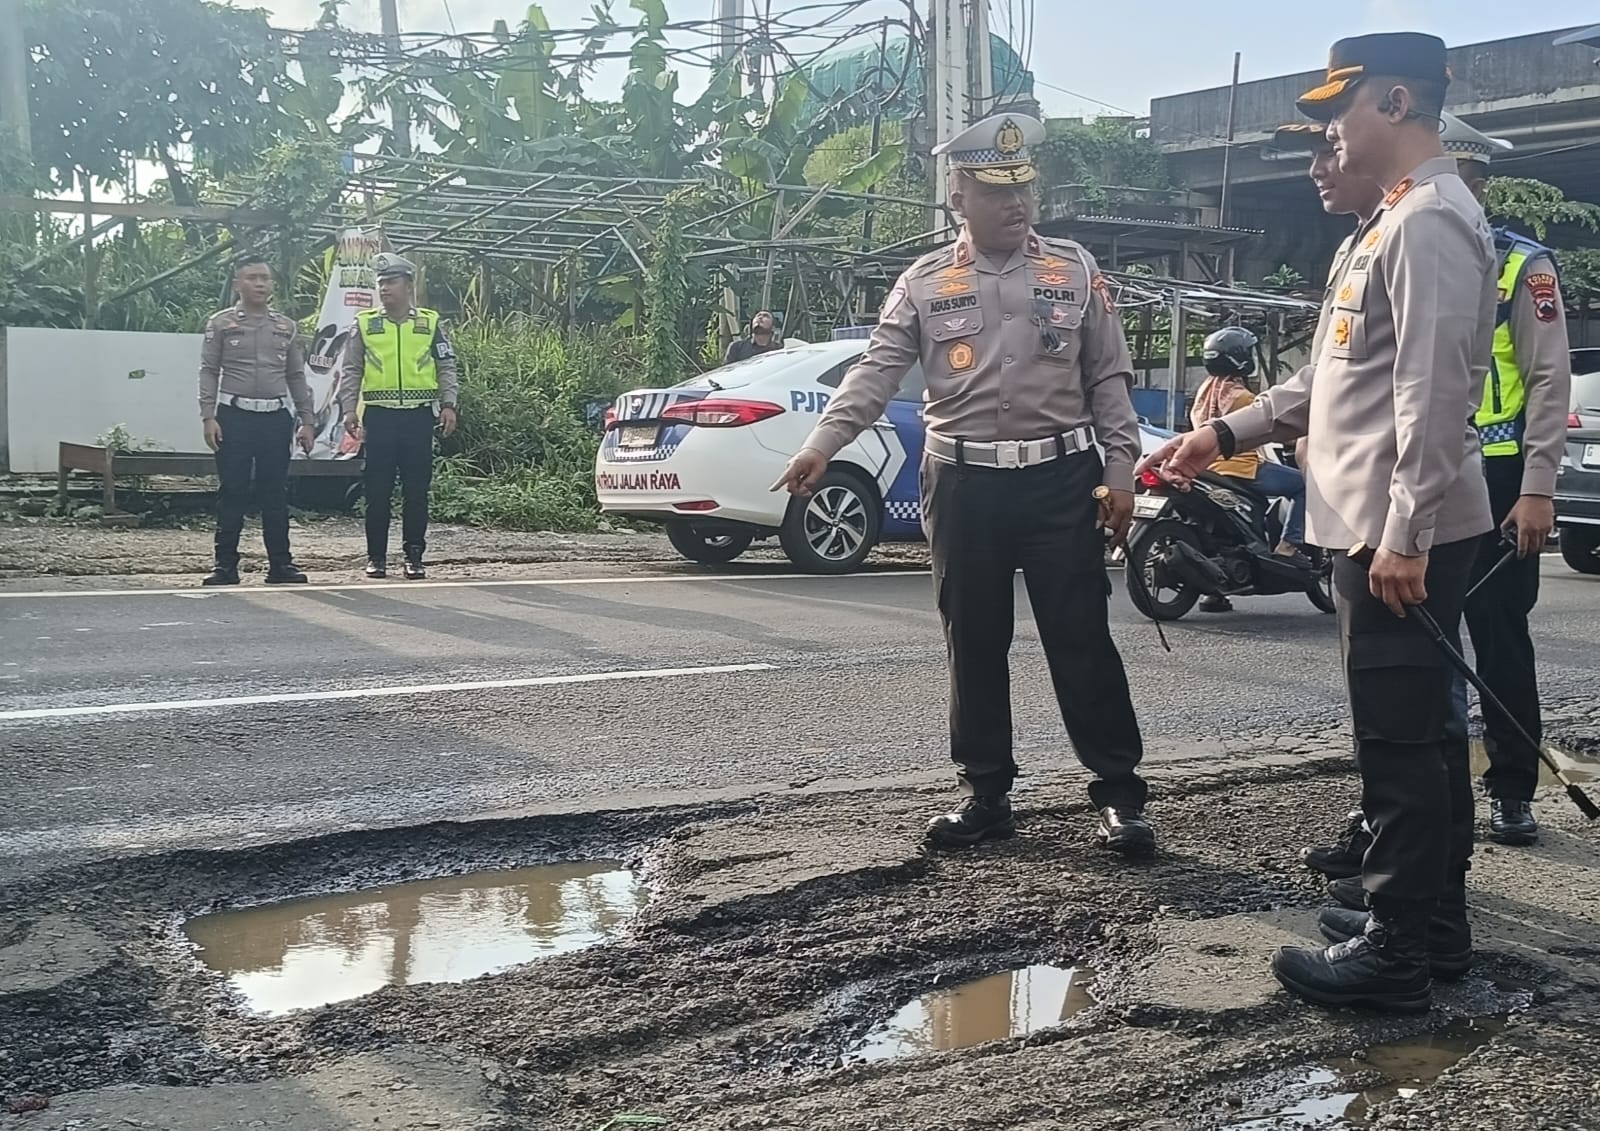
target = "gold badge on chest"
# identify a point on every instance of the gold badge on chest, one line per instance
(962, 356)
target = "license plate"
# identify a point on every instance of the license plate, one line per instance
(638, 437)
(1591, 455)
(1149, 506)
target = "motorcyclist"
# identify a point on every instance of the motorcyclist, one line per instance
(1230, 360)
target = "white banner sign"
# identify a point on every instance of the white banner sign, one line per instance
(352, 288)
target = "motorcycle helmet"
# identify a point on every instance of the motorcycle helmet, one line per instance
(1231, 352)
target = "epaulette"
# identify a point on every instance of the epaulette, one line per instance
(935, 260)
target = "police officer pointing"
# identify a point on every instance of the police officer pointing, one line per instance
(1027, 371)
(252, 366)
(1393, 464)
(401, 367)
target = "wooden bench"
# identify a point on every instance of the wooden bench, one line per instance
(108, 463)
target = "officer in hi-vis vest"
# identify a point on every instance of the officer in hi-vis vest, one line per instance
(401, 369)
(1522, 424)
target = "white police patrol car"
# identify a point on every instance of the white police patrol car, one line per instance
(702, 457)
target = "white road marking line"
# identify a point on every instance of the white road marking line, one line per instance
(391, 590)
(373, 692)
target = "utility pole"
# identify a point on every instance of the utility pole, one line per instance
(728, 29)
(14, 80)
(947, 84)
(1227, 150)
(389, 11)
(981, 62)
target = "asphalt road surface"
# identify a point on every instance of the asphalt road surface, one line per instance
(145, 720)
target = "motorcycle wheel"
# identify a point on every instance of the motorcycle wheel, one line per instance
(1161, 597)
(1321, 591)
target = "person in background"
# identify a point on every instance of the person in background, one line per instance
(401, 367)
(252, 368)
(1230, 360)
(761, 340)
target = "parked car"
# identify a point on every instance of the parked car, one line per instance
(701, 457)
(1578, 484)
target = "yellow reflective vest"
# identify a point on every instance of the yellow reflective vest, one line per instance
(1501, 417)
(400, 371)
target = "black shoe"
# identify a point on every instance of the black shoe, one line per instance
(377, 567)
(1343, 858)
(1348, 892)
(1125, 830)
(1511, 822)
(1386, 967)
(414, 570)
(286, 574)
(975, 819)
(1215, 605)
(222, 575)
(1449, 937)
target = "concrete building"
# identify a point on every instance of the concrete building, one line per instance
(1543, 98)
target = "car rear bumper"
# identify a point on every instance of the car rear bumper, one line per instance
(717, 466)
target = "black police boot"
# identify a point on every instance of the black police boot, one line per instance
(1511, 822)
(377, 567)
(414, 570)
(1348, 892)
(1449, 933)
(222, 575)
(286, 573)
(975, 819)
(1124, 829)
(1215, 605)
(1385, 967)
(1342, 858)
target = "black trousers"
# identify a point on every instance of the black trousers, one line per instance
(1497, 618)
(399, 444)
(253, 464)
(1416, 786)
(983, 524)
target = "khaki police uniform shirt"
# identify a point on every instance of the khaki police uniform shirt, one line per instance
(353, 367)
(1539, 336)
(1398, 372)
(1016, 347)
(259, 356)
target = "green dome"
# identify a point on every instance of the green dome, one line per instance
(844, 70)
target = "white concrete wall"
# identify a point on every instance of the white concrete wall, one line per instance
(79, 384)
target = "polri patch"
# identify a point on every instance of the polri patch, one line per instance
(1546, 304)
(1055, 294)
(961, 356)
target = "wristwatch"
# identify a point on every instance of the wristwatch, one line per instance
(1226, 441)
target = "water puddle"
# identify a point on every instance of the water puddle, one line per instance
(1343, 1093)
(308, 952)
(1012, 1004)
(1577, 767)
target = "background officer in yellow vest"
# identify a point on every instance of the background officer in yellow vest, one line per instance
(400, 367)
(1522, 424)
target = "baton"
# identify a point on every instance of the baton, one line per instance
(1506, 538)
(1362, 554)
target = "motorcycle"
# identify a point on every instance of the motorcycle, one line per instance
(1215, 539)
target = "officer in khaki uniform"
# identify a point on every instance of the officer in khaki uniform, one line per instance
(252, 367)
(1028, 382)
(1393, 464)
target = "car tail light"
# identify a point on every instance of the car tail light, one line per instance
(1152, 479)
(697, 505)
(1573, 421)
(712, 413)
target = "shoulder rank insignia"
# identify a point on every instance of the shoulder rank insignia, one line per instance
(1397, 194)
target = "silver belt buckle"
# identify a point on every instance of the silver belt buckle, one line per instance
(1008, 454)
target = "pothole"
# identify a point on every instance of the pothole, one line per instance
(1344, 1092)
(1577, 767)
(302, 953)
(1011, 1004)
